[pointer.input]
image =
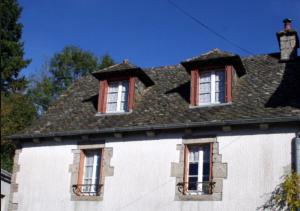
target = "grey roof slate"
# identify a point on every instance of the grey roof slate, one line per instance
(267, 91)
(213, 54)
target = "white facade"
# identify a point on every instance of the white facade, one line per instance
(5, 189)
(142, 173)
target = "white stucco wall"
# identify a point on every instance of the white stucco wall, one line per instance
(142, 179)
(5, 190)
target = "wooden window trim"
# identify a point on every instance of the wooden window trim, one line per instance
(81, 167)
(195, 77)
(186, 164)
(103, 88)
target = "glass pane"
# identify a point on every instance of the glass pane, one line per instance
(125, 86)
(220, 97)
(205, 77)
(89, 159)
(194, 154)
(220, 75)
(111, 107)
(112, 97)
(113, 87)
(205, 98)
(193, 169)
(206, 170)
(204, 88)
(124, 96)
(123, 106)
(192, 184)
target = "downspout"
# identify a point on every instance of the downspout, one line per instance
(297, 155)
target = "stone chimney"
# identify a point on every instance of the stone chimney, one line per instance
(288, 41)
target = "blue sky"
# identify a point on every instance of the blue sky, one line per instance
(151, 32)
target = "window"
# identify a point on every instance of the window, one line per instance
(212, 87)
(198, 179)
(89, 172)
(117, 97)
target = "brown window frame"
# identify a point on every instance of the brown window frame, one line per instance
(195, 77)
(103, 89)
(186, 166)
(81, 168)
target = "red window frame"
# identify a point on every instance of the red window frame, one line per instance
(103, 88)
(186, 164)
(81, 166)
(195, 76)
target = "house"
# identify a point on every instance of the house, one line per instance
(214, 132)
(5, 189)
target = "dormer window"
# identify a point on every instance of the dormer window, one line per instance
(117, 96)
(211, 87)
(117, 86)
(211, 77)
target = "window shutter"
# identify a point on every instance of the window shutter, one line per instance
(228, 78)
(81, 166)
(194, 87)
(102, 96)
(131, 93)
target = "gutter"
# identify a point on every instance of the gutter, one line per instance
(160, 127)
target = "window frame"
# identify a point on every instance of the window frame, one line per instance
(80, 180)
(186, 167)
(103, 94)
(195, 85)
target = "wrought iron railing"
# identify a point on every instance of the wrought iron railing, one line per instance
(87, 189)
(197, 188)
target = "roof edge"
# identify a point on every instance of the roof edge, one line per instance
(161, 127)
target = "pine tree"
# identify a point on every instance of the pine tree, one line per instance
(12, 48)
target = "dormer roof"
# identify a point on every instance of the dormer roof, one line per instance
(123, 69)
(215, 57)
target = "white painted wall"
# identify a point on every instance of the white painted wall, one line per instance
(142, 181)
(5, 190)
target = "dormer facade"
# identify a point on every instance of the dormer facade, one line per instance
(212, 77)
(118, 85)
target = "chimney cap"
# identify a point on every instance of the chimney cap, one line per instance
(287, 20)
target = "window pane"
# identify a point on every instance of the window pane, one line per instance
(112, 97)
(205, 77)
(205, 98)
(193, 169)
(192, 184)
(204, 88)
(220, 86)
(111, 107)
(123, 106)
(125, 86)
(113, 87)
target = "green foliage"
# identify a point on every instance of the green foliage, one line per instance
(70, 64)
(291, 188)
(12, 50)
(285, 196)
(63, 69)
(17, 112)
(106, 61)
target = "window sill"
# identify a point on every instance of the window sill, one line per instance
(113, 113)
(210, 105)
(204, 197)
(86, 198)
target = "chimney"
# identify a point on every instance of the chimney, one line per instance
(288, 41)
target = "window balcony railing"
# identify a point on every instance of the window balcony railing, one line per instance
(196, 188)
(87, 189)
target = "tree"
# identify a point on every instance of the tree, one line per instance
(70, 64)
(63, 69)
(17, 112)
(12, 50)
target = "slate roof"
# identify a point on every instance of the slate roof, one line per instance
(213, 54)
(268, 92)
(125, 65)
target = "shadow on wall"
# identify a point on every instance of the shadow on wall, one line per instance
(281, 197)
(288, 92)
